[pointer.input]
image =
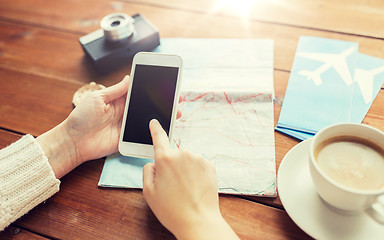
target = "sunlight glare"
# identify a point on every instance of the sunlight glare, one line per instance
(241, 7)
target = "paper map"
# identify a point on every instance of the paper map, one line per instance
(226, 102)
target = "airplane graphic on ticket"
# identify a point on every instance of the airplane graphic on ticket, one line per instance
(365, 79)
(331, 60)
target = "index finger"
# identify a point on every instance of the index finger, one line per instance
(159, 136)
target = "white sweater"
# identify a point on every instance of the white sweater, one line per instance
(26, 179)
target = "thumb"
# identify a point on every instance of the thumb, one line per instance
(149, 172)
(116, 91)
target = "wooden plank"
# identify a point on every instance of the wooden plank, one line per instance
(355, 17)
(33, 104)
(45, 53)
(73, 16)
(257, 223)
(375, 114)
(7, 138)
(346, 16)
(37, 50)
(16, 233)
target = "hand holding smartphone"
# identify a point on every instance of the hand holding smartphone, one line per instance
(153, 93)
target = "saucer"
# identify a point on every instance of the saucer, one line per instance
(308, 211)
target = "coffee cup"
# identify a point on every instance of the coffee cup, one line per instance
(347, 169)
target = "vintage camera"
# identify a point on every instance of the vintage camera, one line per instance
(119, 39)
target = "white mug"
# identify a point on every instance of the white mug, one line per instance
(339, 197)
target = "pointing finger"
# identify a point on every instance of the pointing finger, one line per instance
(159, 136)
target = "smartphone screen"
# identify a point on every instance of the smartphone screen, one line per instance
(152, 96)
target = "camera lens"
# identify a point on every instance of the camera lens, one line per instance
(115, 23)
(117, 26)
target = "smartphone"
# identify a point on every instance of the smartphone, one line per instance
(153, 93)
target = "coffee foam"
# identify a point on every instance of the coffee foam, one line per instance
(353, 162)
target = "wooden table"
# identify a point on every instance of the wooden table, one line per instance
(42, 65)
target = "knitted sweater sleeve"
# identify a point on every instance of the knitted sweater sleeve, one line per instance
(26, 179)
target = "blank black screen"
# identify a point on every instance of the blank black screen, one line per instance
(152, 95)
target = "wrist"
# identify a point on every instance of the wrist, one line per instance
(60, 149)
(210, 226)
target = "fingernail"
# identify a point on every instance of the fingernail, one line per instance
(153, 121)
